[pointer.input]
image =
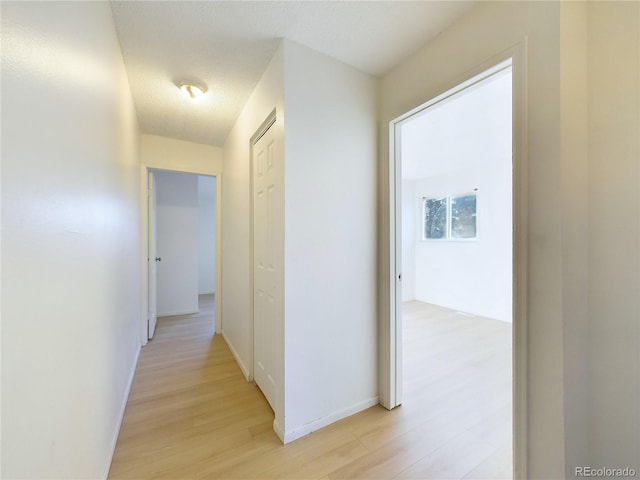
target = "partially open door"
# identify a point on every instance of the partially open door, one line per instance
(152, 314)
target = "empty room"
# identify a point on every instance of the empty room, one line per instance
(455, 158)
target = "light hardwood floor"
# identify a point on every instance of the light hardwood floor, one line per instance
(192, 415)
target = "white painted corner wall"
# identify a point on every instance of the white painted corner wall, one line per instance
(328, 332)
(575, 185)
(470, 276)
(458, 147)
(330, 240)
(70, 235)
(236, 238)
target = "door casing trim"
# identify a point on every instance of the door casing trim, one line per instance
(390, 329)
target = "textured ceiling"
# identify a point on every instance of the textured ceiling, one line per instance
(228, 44)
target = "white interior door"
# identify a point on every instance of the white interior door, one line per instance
(267, 261)
(152, 314)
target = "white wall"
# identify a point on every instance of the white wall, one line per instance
(575, 173)
(330, 240)
(459, 146)
(471, 276)
(206, 235)
(235, 237)
(487, 30)
(70, 236)
(330, 337)
(177, 217)
(409, 234)
(614, 232)
(162, 153)
(581, 184)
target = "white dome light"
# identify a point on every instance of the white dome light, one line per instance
(194, 92)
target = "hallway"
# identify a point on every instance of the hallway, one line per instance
(191, 413)
(189, 404)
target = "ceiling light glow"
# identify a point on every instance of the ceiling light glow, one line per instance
(195, 92)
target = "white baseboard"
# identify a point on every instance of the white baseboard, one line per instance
(245, 370)
(278, 429)
(298, 432)
(123, 407)
(177, 312)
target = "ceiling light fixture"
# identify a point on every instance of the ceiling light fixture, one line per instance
(195, 92)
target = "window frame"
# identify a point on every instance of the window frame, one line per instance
(449, 218)
(423, 220)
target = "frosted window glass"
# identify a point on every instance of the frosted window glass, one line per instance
(435, 218)
(463, 217)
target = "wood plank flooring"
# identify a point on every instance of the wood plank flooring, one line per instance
(192, 415)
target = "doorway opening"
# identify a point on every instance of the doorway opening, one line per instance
(454, 270)
(181, 249)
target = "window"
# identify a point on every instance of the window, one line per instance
(450, 217)
(463, 216)
(435, 218)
